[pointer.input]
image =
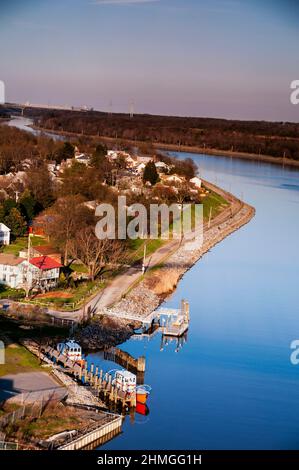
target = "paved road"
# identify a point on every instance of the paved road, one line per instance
(30, 387)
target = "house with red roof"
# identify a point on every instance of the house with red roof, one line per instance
(42, 273)
(45, 272)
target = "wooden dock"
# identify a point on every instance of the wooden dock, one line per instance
(100, 383)
(177, 324)
(124, 359)
(156, 315)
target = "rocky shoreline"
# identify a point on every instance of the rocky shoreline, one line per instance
(111, 329)
(158, 284)
(104, 332)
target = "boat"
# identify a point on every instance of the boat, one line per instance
(127, 382)
(71, 350)
(142, 409)
(142, 393)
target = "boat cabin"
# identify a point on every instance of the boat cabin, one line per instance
(71, 349)
(125, 381)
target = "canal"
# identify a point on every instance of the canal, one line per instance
(231, 385)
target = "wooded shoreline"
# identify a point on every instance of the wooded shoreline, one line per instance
(285, 162)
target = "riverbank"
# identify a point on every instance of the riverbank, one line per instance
(182, 148)
(161, 280)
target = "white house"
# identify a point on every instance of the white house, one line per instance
(43, 272)
(12, 270)
(196, 181)
(4, 234)
(114, 155)
(140, 168)
(162, 166)
(82, 158)
(174, 179)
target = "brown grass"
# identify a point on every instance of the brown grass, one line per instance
(55, 418)
(163, 282)
(56, 294)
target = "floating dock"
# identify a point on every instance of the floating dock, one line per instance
(152, 317)
(178, 323)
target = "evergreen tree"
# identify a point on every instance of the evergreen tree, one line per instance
(99, 156)
(150, 173)
(16, 222)
(28, 205)
(67, 150)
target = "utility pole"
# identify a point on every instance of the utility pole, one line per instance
(144, 257)
(210, 217)
(28, 263)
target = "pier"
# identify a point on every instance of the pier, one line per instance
(124, 359)
(178, 323)
(168, 318)
(100, 383)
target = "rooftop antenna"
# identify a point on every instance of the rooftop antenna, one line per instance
(132, 109)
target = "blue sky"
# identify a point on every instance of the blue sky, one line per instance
(219, 58)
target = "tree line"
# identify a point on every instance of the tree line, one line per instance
(276, 139)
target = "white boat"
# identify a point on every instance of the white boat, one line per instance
(71, 350)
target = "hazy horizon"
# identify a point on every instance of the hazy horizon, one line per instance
(220, 59)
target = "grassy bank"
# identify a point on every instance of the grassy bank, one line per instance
(18, 359)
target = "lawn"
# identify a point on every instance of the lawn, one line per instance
(136, 248)
(9, 293)
(22, 243)
(214, 201)
(79, 268)
(69, 298)
(18, 359)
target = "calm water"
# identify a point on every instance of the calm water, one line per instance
(24, 124)
(232, 385)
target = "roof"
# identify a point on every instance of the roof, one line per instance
(195, 180)
(72, 344)
(45, 250)
(126, 374)
(45, 262)
(161, 165)
(10, 260)
(4, 227)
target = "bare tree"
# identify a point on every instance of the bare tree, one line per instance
(97, 255)
(67, 216)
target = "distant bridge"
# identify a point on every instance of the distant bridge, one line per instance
(22, 106)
